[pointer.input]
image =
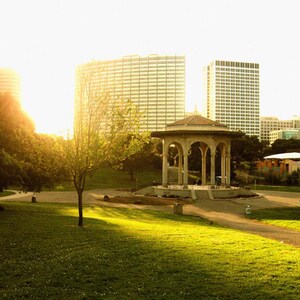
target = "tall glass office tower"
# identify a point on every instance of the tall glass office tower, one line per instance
(231, 95)
(154, 83)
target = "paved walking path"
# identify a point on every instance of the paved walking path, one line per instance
(229, 213)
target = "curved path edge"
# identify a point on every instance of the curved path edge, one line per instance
(228, 213)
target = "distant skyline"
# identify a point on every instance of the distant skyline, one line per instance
(45, 40)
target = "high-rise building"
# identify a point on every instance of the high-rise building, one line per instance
(231, 95)
(10, 82)
(155, 84)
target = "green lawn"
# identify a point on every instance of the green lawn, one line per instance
(6, 193)
(116, 179)
(134, 254)
(282, 188)
(288, 217)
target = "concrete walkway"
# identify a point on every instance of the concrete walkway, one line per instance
(229, 213)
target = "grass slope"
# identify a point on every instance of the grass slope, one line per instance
(133, 254)
(288, 217)
(280, 188)
(6, 193)
(116, 179)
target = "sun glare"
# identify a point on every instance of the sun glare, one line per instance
(46, 40)
(49, 102)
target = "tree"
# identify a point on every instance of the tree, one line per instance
(247, 149)
(27, 159)
(40, 165)
(8, 170)
(12, 120)
(148, 153)
(101, 129)
(282, 146)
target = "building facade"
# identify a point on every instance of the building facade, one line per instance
(10, 82)
(232, 95)
(296, 122)
(268, 124)
(280, 164)
(155, 84)
(273, 124)
(284, 134)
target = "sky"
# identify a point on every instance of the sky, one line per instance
(44, 40)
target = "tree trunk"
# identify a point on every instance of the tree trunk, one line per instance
(131, 175)
(80, 209)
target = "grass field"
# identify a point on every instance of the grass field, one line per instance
(117, 179)
(282, 188)
(6, 193)
(288, 217)
(134, 254)
(111, 178)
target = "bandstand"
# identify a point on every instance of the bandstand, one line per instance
(210, 135)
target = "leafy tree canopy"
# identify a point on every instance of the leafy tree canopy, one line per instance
(248, 148)
(101, 130)
(41, 165)
(12, 118)
(282, 146)
(148, 152)
(27, 159)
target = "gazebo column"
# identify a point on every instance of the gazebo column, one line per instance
(185, 169)
(180, 168)
(223, 167)
(228, 171)
(212, 167)
(203, 148)
(203, 170)
(165, 167)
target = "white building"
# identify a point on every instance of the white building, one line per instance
(269, 124)
(284, 134)
(296, 121)
(231, 95)
(156, 84)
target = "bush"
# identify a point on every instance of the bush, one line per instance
(272, 178)
(293, 179)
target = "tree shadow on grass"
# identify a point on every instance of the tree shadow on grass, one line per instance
(117, 256)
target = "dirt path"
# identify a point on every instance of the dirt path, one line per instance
(240, 222)
(229, 213)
